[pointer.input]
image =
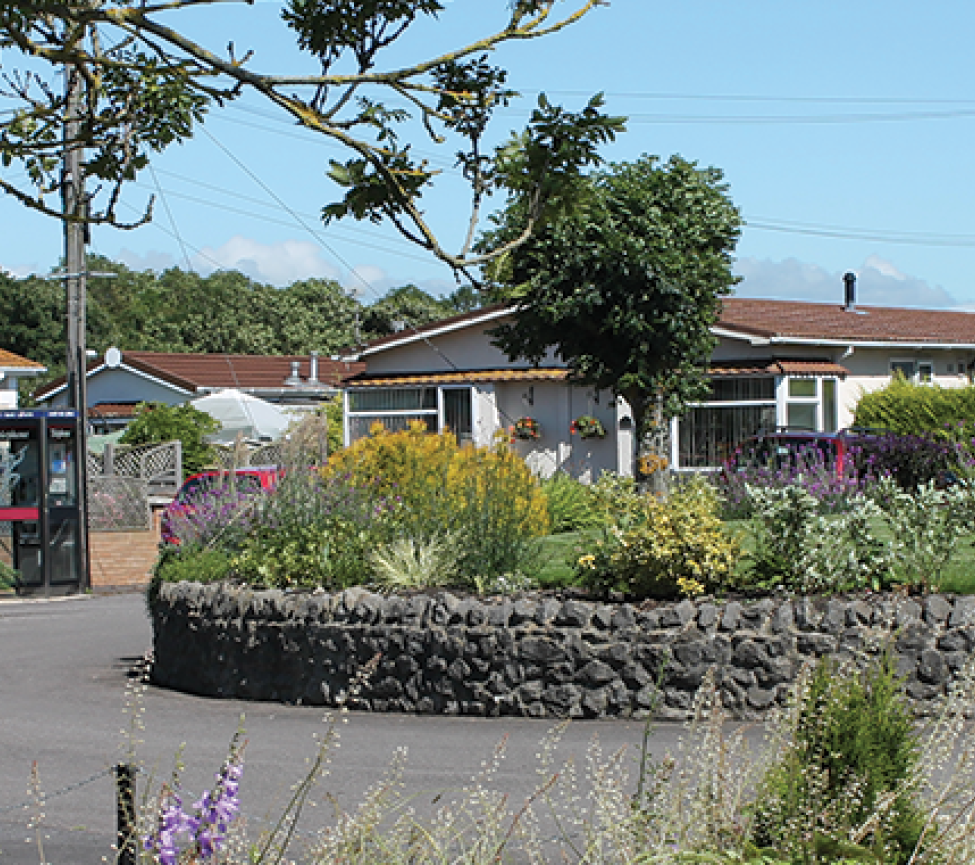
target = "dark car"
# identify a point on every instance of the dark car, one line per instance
(253, 480)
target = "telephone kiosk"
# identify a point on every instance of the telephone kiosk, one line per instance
(39, 479)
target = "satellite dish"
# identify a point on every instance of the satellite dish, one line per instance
(113, 358)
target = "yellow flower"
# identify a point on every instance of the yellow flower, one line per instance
(588, 561)
(689, 586)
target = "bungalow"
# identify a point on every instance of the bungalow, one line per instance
(13, 368)
(119, 381)
(777, 363)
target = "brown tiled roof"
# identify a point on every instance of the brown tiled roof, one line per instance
(249, 372)
(824, 321)
(196, 372)
(778, 366)
(113, 410)
(457, 377)
(9, 360)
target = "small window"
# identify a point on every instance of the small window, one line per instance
(802, 387)
(925, 372)
(902, 367)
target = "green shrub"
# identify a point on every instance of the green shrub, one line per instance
(798, 548)
(313, 531)
(571, 504)
(915, 409)
(157, 423)
(201, 565)
(8, 576)
(663, 547)
(405, 564)
(850, 756)
(925, 527)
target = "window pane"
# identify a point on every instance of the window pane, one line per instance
(904, 367)
(738, 389)
(393, 399)
(802, 387)
(359, 426)
(801, 415)
(925, 373)
(457, 416)
(831, 419)
(707, 436)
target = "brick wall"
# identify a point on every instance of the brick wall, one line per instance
(122, 561)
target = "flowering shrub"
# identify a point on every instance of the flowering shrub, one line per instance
(313, 531)
(201, 833)
(798, 548)
(485, 498)
(663, 548)
(911, 460)
(925, 527)
(525, 428)
(588, 427)
(807, 467)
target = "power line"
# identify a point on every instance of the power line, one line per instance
(847, 233)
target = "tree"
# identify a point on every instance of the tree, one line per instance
(157, 423)
(401, 308)
(624, 283)
(143, 84)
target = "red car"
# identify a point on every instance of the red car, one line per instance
(247, 481)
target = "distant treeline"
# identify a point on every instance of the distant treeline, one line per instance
(225, 312)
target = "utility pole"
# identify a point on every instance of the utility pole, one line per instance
(74, 209)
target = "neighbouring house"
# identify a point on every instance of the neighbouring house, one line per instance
(13, 368)
(119, 381)
(777, 363)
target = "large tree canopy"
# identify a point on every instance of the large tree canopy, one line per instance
(141, 83)
(625, 281)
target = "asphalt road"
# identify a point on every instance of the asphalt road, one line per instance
(64, 666)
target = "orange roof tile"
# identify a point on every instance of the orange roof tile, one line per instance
(9, 360)
(457, 377)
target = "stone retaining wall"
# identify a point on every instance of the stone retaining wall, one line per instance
(538, 657)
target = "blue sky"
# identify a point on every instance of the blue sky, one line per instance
(844, 129)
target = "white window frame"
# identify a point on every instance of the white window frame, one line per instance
(916, 364)
(378, 414)
(781, 402)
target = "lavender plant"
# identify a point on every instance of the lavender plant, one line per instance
(201, 834)
(806, 467)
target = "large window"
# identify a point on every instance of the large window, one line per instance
(707, 435)
(737, 408)
(396, 408)
(741, 407)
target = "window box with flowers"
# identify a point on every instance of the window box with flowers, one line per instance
(525, 428)
(588, 427)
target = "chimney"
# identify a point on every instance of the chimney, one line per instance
(294, 379)
(850, 293)
(313, 369)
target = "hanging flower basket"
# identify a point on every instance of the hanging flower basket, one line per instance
(525, 428)
(588, 427)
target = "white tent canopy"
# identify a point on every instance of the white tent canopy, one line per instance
(242, 414)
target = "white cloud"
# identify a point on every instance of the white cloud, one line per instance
(152, 260)
(277, 263)
(879, 283)
(883, 266)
